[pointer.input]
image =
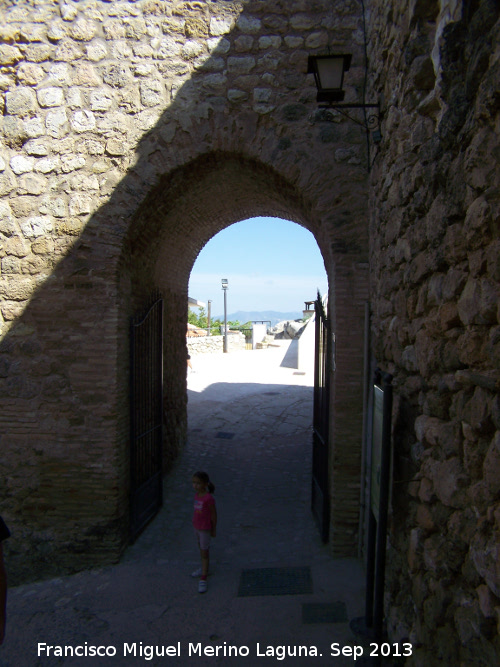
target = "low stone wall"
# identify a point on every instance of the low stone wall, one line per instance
(209, 344)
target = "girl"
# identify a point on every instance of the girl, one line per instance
(204, 522)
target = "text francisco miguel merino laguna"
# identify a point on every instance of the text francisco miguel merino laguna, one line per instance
(148, 652)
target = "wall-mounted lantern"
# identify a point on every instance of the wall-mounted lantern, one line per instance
(329, 77)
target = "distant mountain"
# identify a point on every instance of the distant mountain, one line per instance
(273, 316)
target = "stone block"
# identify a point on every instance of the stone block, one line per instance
(468, 621)
(32, 184)
(33, 127)
(269, 42)
(191, 49)
(80, 204)
(469, 302)
(56, 207)
(21, 164)
(302, 21)
(17, 289)
(11, 310)
(476, 412)
(491, 467)
(83, 30)
(56, 122)
(9, 55)
(21, 101)
(86, 75)
(449, 481)
(438, 433)
(37, 226)
(30, 74)
(46, 165)
(43, 246)
(10, 264)
(114, 147)
(474, 451)
(152, 92)
(487, 601)
(424, 518)
(234, 95)
(414, 550)
(218, 45)
(240, 65)
(57, 30)
(426, 490)
(247, 24)
(96, 51)
(69, 227)
(83, 121)
(67, 51)
(38, 148)
(449, 316)
(50, 97)
(117, 75)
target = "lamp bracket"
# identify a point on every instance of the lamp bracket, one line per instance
(370, 119)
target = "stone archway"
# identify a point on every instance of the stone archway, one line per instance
(208, 195)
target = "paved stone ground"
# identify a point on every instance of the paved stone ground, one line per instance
(250, 421)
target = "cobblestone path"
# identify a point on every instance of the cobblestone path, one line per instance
(255, 442)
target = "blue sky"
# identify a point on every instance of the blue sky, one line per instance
(271, 264)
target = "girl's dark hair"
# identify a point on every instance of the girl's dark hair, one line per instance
(203, 477)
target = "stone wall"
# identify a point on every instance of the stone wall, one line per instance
(435, 295)
(211, 344)
(133, 132)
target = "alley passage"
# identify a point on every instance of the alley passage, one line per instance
(250, 419)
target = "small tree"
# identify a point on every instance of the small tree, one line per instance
(198, 319)
(192, 317)
(202, 319)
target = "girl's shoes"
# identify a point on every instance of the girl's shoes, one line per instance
(197, 573)
(202, 586)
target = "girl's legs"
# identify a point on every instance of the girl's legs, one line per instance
(204, 543)
(204, 553)
(203, 538)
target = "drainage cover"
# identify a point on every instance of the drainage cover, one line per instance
(275, 581)
(224, 435)
(318, 612)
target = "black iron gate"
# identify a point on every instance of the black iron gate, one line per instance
(146, 415)
(322, 367)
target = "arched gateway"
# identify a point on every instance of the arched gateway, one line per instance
(134, 132)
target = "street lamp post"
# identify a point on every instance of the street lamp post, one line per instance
(224, 287)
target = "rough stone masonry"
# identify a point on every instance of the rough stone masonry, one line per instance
(434, 273)
(134, 131)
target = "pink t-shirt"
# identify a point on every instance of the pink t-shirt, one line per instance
(202, 511)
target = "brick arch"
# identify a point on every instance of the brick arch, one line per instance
(176, 220)
(197, 201)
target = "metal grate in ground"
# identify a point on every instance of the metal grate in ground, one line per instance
(324, 612)
(275, 581)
